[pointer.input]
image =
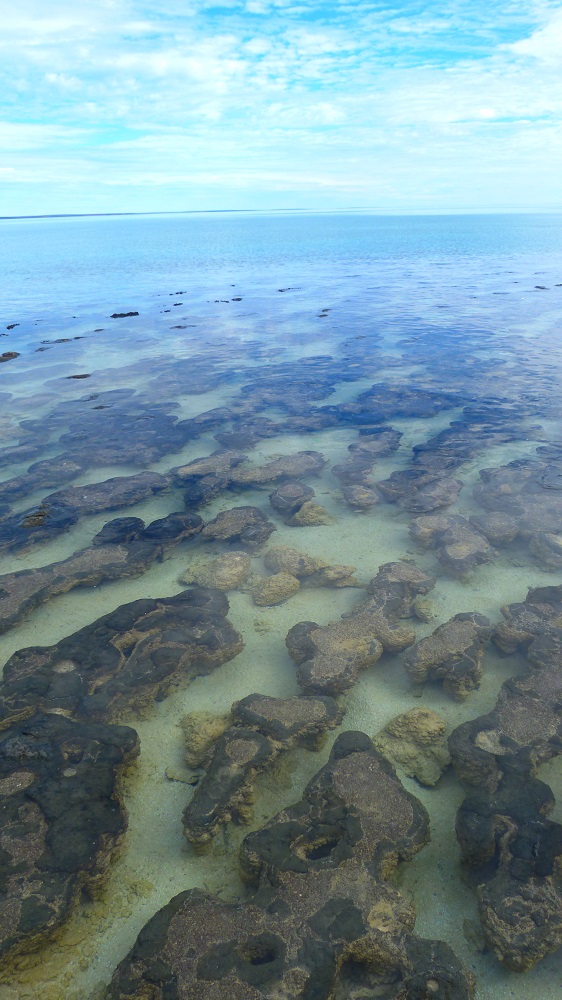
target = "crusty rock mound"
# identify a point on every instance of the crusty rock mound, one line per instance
(124, 660)
(452, 654)
(416, 741)
(60, 816)
(323, 922)
(261, 728)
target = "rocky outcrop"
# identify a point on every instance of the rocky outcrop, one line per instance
(512, 851)
(246, 525)
(124, 547)
(124, 660)
(324, 921)
(419, 491)
(61, 819)
(261, 728)
(354, 472)
(275, 589)
(225, 572)
(288, 498)
(310, 570)
(330, 657)
(451, 655)
(303, 463)
(458, 545)
(416, 742)
(310, 515)
(59, 511)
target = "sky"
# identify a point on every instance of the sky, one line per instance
(189, 105)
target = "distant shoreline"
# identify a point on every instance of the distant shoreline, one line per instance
(405, 213)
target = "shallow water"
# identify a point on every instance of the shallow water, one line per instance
(443, 304)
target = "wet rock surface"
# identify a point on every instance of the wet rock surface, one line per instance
(452, 655)
(123, 661)
(416, 741)
(289, 498)
(323, 922)
(124, 547)
(330, 657)
(512, 851)
(61, 819)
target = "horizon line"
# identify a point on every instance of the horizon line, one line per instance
(325, 211)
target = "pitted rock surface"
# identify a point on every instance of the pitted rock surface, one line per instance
(61, 819)
(322, 922)
(514, 853)
(124, 660)
(416, 741)
(452, 654)
(225, 572)
(124, 547)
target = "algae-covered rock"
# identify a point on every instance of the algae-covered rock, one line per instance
(276, 589)
(310, 515)
(201, 731)
(248, 525)
(289, 497)
(452, 654)
(283, 559)
(123, 661)
(225, 572)
(323, 922)
(61, 819)
(416, 741)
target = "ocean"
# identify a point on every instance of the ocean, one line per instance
(139, 344)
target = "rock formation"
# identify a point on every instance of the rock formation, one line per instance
(452, 655)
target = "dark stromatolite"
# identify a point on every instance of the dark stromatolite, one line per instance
(330, 657)
(452, 654)
(353, 473)
(45, 473)
(246, 525)
(540, 614)
(458, 546)
(323, 922)
(59, 511)
(61, 819)
(288, 498)
(513, 852)
(125, 660)
(124, 547)
(262, 728)
(302, 463)
(219, 463)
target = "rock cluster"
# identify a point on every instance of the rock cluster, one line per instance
(246, 525)
(330, 657)
(323, 921)
(124, 547)
(512, 850)
(459, 545)
(261, 728)
(353, 473)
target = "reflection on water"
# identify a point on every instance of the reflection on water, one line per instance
(303, 418)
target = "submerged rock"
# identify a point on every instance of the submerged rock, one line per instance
(452, 654)
(459, 546)
(323, 922)
(310, 515)
(61, 818)
(512, 851)
(311, 571)
(224, 572)
(261, 728)
(201, 731)
(247, 525)
(303, 463)
(124, 547)
(416, 741)
(289, 497)
(123, 661)
(275, 589)
(59, 511)
(330, 657)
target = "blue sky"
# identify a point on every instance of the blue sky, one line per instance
(125, 105)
